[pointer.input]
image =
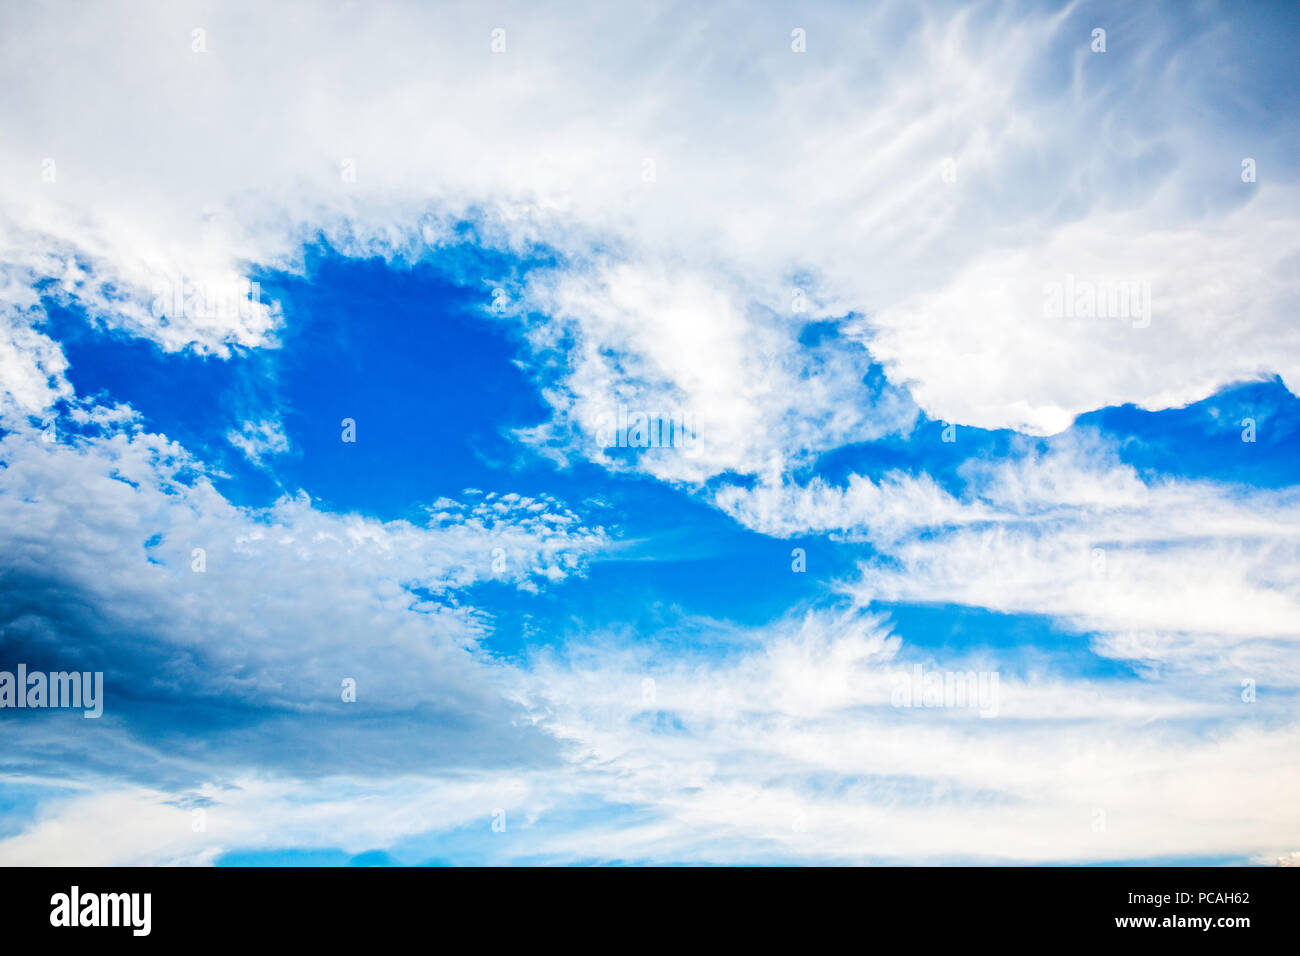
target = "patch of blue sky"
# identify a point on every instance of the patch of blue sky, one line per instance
(21, 802)
(191, 398)
(1020, 643)
(1245, 434)
(686, 588)
(436, 386)
(287, 856)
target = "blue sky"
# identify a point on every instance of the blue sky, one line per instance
(832, 261)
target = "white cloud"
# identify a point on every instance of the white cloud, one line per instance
(771, 170)
(120, 555)
(260, 439)
(1179, 573)
(895, 505)
(790, 747)
(786, 749)
(32, 366)
(136, 826)
(986, 350)
(675, 346)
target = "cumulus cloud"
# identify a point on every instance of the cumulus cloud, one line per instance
(994, 348)
(259, 439)
(121, 556)
(900, 180)
(752, 397)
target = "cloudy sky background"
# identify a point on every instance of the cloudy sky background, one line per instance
(832, 259)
